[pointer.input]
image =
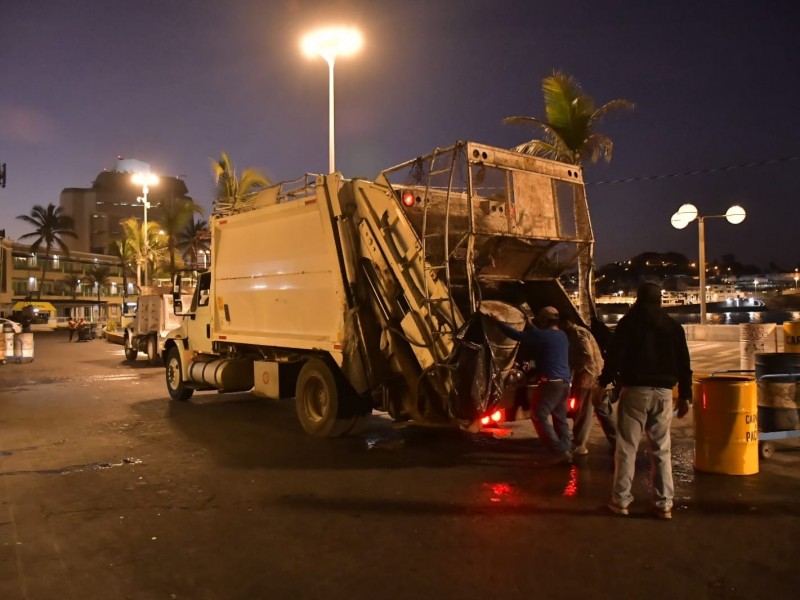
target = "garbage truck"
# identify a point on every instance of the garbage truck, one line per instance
(154, 318)
(350, 295)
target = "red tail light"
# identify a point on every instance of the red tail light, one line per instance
(495, 417)
(408, 198)
(572, 403)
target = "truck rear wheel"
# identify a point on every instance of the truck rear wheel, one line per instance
(178, 390)
(152, 350)
(130, 352)
(321, 405)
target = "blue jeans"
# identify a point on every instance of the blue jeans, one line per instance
(644, 410)
(549, 400)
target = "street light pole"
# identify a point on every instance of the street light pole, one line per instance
(330, 43)
(701, 234)
(685, 215)
(145, 180)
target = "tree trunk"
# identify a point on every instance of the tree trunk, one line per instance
(44, 273)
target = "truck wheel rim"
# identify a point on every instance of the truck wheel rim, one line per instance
(315, 400)
(172, 369)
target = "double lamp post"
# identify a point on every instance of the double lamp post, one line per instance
(688, 213)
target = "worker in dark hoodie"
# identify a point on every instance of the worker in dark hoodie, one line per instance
(647, 356)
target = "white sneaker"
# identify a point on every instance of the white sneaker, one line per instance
(618, 510)
(580, 450)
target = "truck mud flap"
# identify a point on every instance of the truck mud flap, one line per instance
(476, 385)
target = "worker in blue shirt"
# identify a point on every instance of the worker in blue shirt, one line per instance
(550, 349)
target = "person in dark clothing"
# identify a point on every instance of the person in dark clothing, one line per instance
(550, 349)
(647, 356)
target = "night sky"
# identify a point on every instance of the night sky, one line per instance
(175, 82)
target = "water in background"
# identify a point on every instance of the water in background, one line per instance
(724, 318)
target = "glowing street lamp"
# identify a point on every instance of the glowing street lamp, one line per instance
(145, 180)
(330, 43)
(688, 213)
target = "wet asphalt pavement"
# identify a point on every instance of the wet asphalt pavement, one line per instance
(109, 490)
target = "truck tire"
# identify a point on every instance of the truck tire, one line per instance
(130, 352)
(178, 390)
(320, 403)
(152, 350)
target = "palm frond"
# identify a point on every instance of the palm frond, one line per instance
(613, 106)
(538, 148)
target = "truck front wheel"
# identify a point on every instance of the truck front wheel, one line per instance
(319, 401)
(130, 352)
(178, 390)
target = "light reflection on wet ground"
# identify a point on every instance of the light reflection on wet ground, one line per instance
(95, 466)
(524, 478)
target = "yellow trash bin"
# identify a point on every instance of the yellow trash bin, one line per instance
(726, 425)
(791, 336)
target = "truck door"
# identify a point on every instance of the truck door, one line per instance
(199, 326)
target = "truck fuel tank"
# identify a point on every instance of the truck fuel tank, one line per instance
(234, 375)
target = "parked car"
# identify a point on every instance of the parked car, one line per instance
(14, 325)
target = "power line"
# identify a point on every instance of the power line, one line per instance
(760, 163)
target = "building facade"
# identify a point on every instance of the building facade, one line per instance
(69, 285)
(98, 211)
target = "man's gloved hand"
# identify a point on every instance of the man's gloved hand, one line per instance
(598, 395)
(682, 406)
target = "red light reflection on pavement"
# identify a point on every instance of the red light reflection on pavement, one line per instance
(572, 486)
(499, 492)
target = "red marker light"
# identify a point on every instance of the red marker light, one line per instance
(496, 416)
(485, 421)
(408, 198)
(571, 403)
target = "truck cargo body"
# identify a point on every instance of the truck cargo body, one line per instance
(355, 294)
(154, 318)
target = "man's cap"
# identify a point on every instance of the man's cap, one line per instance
(548, 313)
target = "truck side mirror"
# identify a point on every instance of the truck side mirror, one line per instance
(177, 303)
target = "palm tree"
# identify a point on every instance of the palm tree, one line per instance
(123, 250)
(99, 275)
(194, 239)
(231, 192)
(153, 251)
(72, 281)
(175, 215)
(51, 224)
(569, 131)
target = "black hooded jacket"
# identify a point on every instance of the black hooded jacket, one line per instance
(649, 348)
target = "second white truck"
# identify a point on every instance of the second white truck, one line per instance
(154, 319)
